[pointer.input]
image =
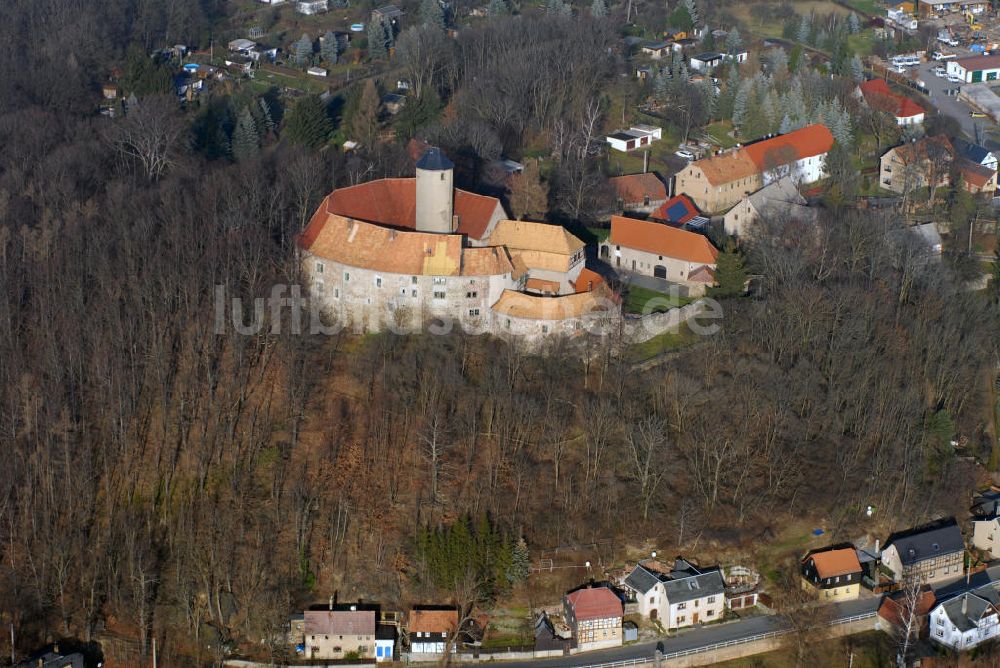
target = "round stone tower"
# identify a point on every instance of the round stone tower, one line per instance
(435, 192)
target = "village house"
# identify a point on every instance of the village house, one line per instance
(637, 136)
(931, 8)
(834, 574)
(679, 596)
(708, 61)
(974, 153)
(655, 249)
(718, 182)
(431, 630)
(595, 616)
(385, 642)
(926, 554)
(975, 69)
(778, 201)
(917, 164)
(681, 211)
(895, 610)
(547, 258)
(657, 50)
(966, 620)
(638, 192)
(879, 96)
(339, 634)
(986, 523)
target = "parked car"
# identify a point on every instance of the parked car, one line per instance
(684, 153)
(977, 114)
(955, 79)
(939, 72)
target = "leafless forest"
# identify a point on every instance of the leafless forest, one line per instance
(160, 479)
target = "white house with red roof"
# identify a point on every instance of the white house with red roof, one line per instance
(877, 95)
(595, 616)
(660, 250)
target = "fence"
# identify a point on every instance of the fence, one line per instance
(720, 645)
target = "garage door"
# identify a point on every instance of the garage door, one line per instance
(977, 76)
(659, 271)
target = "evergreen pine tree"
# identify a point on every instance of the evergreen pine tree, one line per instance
(432, 13)
(377, 42)
(264, 118)
(734, 42)
(307, 123)
(246, 140)
(709, 96)
(730, 274)
(329, 49)
(805, 29)
(599, 9)
(661, 87)
(520, 565)
(786, 125)
(857, 68)
(853, 24)
(303, 50)
(692, 10)
(499, 8)
(741, 102)
(364, 123)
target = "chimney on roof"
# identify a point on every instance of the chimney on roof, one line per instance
(331, 603)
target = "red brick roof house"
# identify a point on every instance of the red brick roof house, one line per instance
(638, 192)
(595, 616)
(878, 95)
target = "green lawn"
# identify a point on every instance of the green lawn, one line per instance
(663, 343)
(719, 131)
(862, 43)
(598, 234)
(870, 7)
(639, 297)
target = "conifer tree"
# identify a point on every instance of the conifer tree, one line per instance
(432, 13)
(857, 68)
(377, 42)
(303, 50)
(692, 10)
(734, 42)
(499, 8)
(730, 274)
(307, 123)
(329, 49)
(246, 140)
(805, 29)
(599, 9)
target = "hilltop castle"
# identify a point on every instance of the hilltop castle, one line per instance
(404, 254)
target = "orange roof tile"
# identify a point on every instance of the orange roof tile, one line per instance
(488, 261)
(433, 621)
(895, 606)
(532, 307)
(703, 274)
(831, 563)
(976, 175)
(393, 202)
(587, 280)
(662, 239)
(367, 246)
(806, 142)
(542, 285)
(633, 188)
(594, 603)
(879, 96)
(727, 167)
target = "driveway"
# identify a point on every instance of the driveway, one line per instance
(693, 639)
(950, 104)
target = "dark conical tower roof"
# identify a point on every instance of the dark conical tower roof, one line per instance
(434, 160)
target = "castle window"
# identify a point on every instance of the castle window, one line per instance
(545, 329)
(413, 293)
(347, 276)
(336, 293)
(471, 295)
(413, 280)
(439, 280)
(473, 311)
(439, 294)
(319, 267)
(378, 281)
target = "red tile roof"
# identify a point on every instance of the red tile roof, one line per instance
(975, 175)
(662, 239)
(679, 209)
(895, 606)
(634, 188)
(831, 563)
(594, 603)
(879, 96)
(433, 621)
(979, 63)
(393, 202)
(806, 142)
(587, 280)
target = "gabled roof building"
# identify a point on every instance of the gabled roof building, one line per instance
(931, 553)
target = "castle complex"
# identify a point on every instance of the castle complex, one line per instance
(408, 254)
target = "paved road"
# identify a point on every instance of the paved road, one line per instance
(690, 638)
(950, 104)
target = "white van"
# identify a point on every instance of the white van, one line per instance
(941, 57)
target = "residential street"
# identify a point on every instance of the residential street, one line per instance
(691, 638)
